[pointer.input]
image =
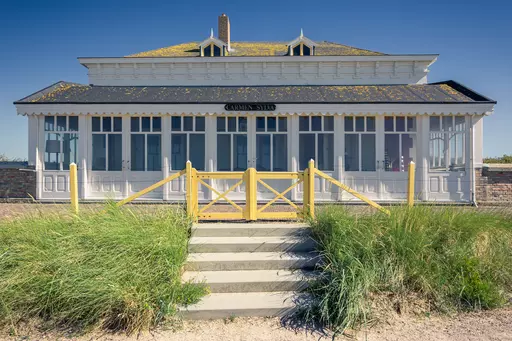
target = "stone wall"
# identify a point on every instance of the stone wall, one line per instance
(17, 180)
(494, 183)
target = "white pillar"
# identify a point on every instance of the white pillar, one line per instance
(166, 153)
(339, 151)
(423, 140)
(293, 149)
(84, 137)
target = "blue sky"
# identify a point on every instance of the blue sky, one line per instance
(40, 41)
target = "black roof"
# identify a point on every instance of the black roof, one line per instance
(72, 93)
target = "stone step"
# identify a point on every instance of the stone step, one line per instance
(251, 244)
(248, 230)
(250, 261)
(251, 280)
(224, 305)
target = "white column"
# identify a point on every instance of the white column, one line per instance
(210, 150)
(423, 140)
(84, 137)
(32, 139)
(293, 149)
(126, 154)
(380, 153)
(40, 156)
(339, 151)
(166, 153)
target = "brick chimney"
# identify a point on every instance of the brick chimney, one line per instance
(224, 30)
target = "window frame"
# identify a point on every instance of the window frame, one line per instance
(277, 131)
(146, 146)
(403, 167)
(182, 131)
(444, 151)
(231, 134)
(359, 134)
(316, 133)
(106, 134)
(73, 134)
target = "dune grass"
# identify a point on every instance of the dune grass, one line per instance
(118, 270)
(452, 258)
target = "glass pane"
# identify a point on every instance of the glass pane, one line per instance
(118, 124)
(411, 123)
(99, 152)
(271, 124)
(179, 151)
(154, 152)
(459, 157)
(135, 124)
(435, 124)
(283, 124)
(306, 149)
(316, 123)
(260, 123)
(326, 152)
(447, 123)
(73, 123)
(351, 152)
(223, 152)
(52, 152)
(368, 152)
(107, 124)
(231, 123)
(460, 123)
(408, 150)
(360, 123)
(49, 123)
(388, 123)
(221, 124)
(239, 152)
(400, 124)
(197, 151)
(349, 123)
(304, 123)
(115, 152)
(328, 123)
(157, 124)
(96, 124)
(176, 123)
(138, 147)
(69, 150)
(370, 124)
(437, 151)
(263, 152)
(61, 123)
(392, 160)
(279, 153)
(188, 122)
(146, 124)
(200, 124)
(242, 124)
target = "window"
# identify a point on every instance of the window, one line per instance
(107, 143)
(146, 143)
(187, 142)
(213, 50)
(447, 144)
(360, 144)
(302, 50)
(231, 143)
(271, 143)
(316, 141)
(399, 143)
(61, 142)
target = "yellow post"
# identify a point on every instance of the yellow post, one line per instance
(305, 197)
(251, 203)
(73, 184)
(194, 195)
(311, 188)
(410, 186)
(188, 188)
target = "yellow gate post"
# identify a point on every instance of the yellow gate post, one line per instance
(410, 185)
(309, 180)
(73, 187)
(191, 189)
(251, 203)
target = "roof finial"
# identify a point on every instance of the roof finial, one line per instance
(301, 33)
(211, 33)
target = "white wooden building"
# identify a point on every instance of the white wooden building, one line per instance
(361, 115)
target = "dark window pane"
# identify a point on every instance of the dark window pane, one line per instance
(447, 123)
(69, 150)
(370, 124)
(61, 123)
(52, 152)
(435, 124)
(157, 124)
(306, 149)
(283, 124)
(392, 152)
(154, 152)
(400, 124)
(135, 124)
(260, 123)
(271, 123)
(118, 124)
(197, 151)
(316, 123)
(411, 123)
(349, 123)
(351, 152)
(216, 51)
(409, 150)
(326, 152)
(242, 124)
(138, 147)
(200, 123)
(179, 151)
(389, 123)
(368, 152)
(306, 51)
(263, 152)
(231, 123)
(328, 123)
(176, 123)
(239, 152)
(221, 124)
(115, 152)
(207, 51)
(279, 153)
(107, 124)
(296, 50)
(146, 124)
(96, 124)
(49, 123)
(223, 152)
(99, 152)
(73, 123)
(359, 123)
(304, 123)
(188, 122)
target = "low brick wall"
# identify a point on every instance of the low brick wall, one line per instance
(17, 181)
(494, 184)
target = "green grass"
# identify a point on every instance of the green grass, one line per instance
(118, 270)
(452, 258)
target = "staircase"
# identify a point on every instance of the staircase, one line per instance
(252, 269)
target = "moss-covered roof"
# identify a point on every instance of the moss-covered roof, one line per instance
(257, 49)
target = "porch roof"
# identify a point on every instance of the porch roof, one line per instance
(448, 92)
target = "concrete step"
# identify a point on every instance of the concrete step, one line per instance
(251, 280)
(250, 261)
(223, 305)
(248, 230)
(251, 244)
